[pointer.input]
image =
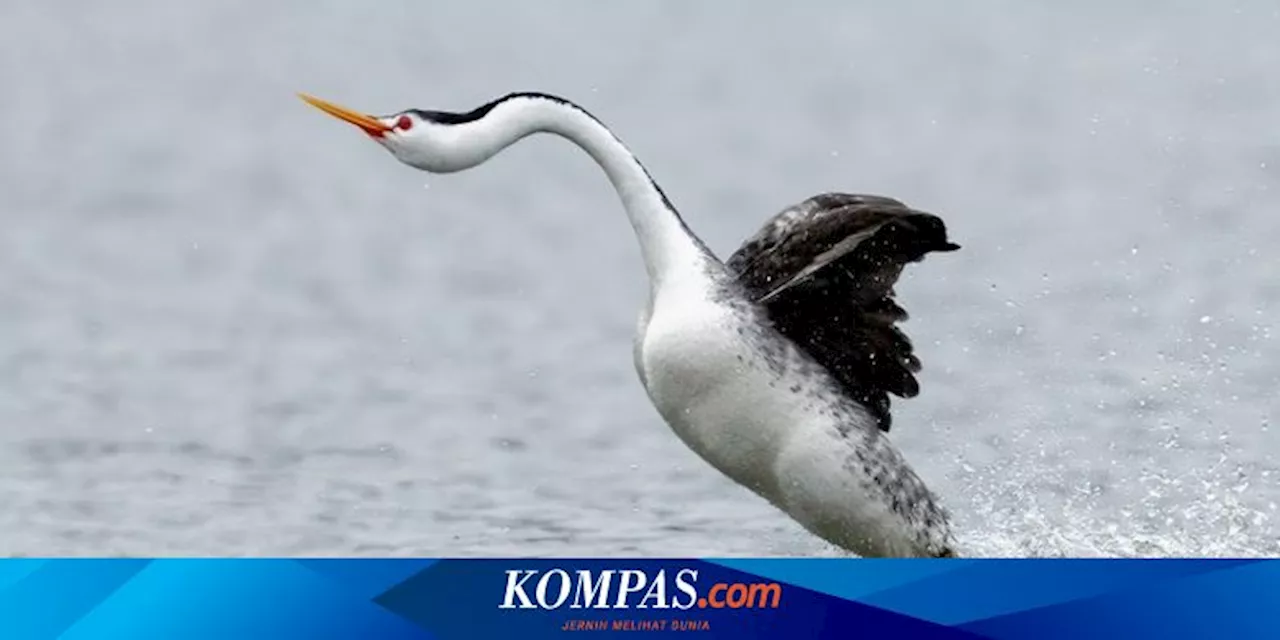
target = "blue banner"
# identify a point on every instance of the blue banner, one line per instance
(193, 599)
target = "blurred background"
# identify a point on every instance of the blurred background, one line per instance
(231, 325)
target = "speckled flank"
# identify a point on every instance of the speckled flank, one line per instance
(881, 469)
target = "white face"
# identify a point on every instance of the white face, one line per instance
(415, 140)
(427, 145)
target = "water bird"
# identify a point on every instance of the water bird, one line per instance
(775, 366)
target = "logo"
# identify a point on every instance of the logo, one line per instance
(612, 589)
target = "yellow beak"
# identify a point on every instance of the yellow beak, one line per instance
(369, 124)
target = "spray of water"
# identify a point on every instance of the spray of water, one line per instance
(1208, 512)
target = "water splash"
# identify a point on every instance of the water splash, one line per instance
(1210, 512)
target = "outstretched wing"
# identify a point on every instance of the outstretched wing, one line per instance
(824, 270)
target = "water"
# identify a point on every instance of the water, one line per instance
(231, 325)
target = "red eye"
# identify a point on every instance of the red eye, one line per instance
(404, 123)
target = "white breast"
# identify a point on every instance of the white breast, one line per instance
(764, 416)
(698, 373)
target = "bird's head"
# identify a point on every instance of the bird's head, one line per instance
(426, 140)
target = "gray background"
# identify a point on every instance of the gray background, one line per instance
(231, 325)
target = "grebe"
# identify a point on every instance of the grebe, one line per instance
(776, 366)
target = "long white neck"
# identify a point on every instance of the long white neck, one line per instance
(668, 247)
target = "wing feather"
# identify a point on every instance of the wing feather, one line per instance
(824, 269)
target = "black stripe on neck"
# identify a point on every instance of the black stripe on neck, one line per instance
(453, 117)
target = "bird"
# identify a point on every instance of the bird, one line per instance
(774, 366)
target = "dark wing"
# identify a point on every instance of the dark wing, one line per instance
(824, 270)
